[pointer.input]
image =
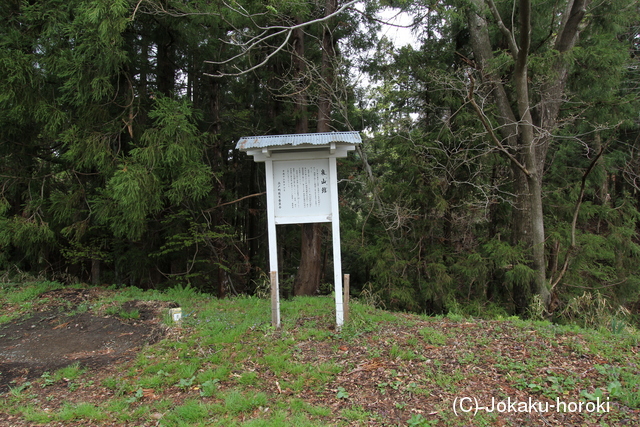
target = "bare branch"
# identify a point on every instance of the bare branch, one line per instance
(235, 201)
(133, 16)
(489, 129)
(155, 8)
(573, 16)
(505, 31)
(255, 67)
(576, 211)
(525, 35)
(262, 38)
(243, 12)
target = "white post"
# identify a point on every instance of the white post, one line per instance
(273, 246)
(335, 232)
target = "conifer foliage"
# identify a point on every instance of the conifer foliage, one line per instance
(118, 121)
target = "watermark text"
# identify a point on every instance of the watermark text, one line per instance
(473, 405)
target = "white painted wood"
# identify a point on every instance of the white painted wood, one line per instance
(302, 219)
(337, 253)
(300, 153)
(273, 245)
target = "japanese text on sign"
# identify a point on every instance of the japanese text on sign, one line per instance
(302, 188)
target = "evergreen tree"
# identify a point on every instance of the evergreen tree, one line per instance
(470, 231)
(500, 161)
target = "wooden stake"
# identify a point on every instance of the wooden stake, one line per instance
(345, 299)
(275, 301)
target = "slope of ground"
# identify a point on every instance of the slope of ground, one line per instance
(225, 365)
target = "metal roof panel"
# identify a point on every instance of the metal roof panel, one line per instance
(318, 139)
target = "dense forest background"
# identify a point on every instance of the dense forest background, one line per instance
(500, 168)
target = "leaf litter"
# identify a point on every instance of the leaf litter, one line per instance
(408, 371)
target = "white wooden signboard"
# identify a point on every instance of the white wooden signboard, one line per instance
(302, 191)
(302, 187)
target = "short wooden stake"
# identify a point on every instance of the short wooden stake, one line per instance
(345, 299)
(275, 301)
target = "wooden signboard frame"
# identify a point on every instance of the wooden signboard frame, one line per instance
(302, 187)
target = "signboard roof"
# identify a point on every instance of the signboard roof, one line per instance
(317, 139)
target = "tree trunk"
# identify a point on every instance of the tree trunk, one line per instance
(307, 280)
(538, 237)
(532, 163)
(165, 67)
(602, 187)
(300, 97)
(328, 56)
(95, 272)
(526, 136)
(521, 233)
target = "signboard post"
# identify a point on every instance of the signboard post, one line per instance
(302, 187)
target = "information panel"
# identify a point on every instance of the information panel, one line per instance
(302, 191)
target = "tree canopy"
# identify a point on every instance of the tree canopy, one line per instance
(500, 163)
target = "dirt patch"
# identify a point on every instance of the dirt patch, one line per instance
(64, 331)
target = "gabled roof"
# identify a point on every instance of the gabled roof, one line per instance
(317, 139)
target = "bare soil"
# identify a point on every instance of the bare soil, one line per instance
(62, 332)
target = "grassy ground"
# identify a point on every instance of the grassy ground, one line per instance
(224, 365)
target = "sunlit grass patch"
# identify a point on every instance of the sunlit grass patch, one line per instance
(432, 336)
(23, 293)
(87, 412)
(192, 412)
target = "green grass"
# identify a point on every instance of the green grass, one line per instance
(87, 412)
(18, 294)
(8, 318)
(70, 373)
(432, 336)
(225, 365)
(123, 313)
